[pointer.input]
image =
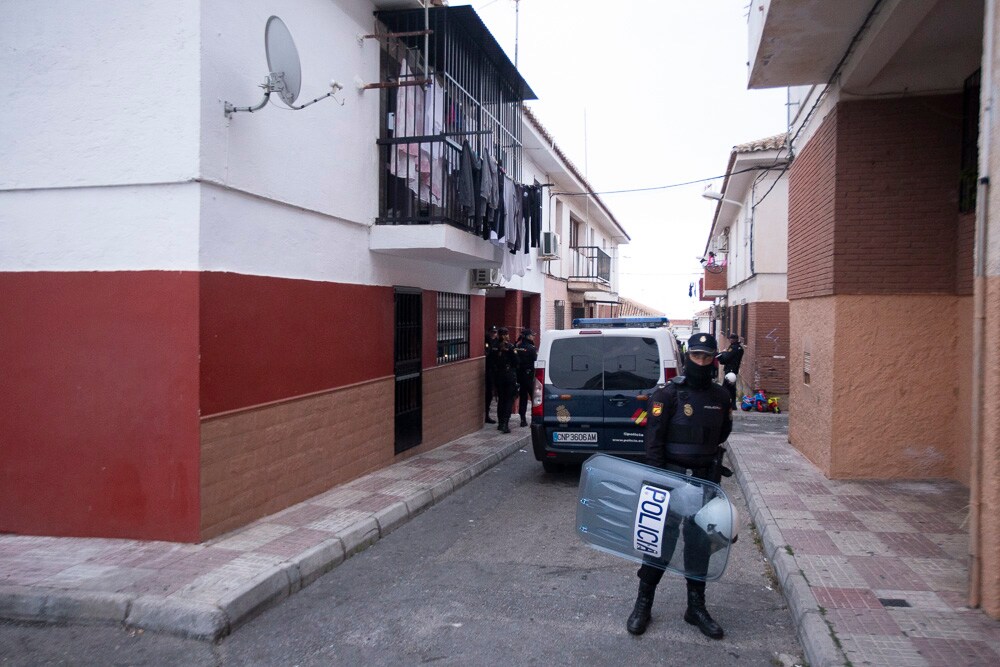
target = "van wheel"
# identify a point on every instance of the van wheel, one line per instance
(552, 467)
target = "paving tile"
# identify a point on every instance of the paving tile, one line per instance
(832, 571)
(338, 520)
(846, 598)
(910, 544)
(343, 497)
(295, 542)
(933, 522)
(784, 502)
(882, 650)
(305, 513)
(949, 652)
(885, 572)
(824, 503)
(941, 574)
(861, 503)
(940, 624)
(857, 543)
(253, 537)
(815, 542)
(838, 520)
(375, 502)
(862, 622)
(883, 521)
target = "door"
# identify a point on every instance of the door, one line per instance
(408, 379)
(574, 418)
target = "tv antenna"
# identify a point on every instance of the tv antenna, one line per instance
(284, 71)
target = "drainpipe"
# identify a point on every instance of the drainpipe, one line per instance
(979, 310)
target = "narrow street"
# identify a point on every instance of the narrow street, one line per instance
(494, 574)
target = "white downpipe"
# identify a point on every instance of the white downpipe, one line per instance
(979, 308)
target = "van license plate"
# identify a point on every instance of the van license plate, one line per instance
(575, 437)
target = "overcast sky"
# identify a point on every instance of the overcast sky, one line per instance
(662, 86)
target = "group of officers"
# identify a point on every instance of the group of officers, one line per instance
(510, 374)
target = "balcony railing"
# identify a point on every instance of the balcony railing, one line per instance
(591, 264)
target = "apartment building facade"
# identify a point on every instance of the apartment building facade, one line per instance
(890, 258)
(214, 308)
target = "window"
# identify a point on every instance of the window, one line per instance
(574, 233)
(452, 327)
(560, 314)
(608, 362)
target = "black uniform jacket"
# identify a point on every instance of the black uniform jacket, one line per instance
(526, 356)
(731, 358)
(685, 426)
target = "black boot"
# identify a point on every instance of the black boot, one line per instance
(696, 613)
(639, 618)
(524, 422)
(490, 421)
(505, 428)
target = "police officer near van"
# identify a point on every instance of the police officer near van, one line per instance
(527, 353)
(731, 360)
(506, 379)
(689, 418)
(492, 343)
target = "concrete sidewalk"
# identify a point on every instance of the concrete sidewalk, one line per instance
(874, 572)
(206, 590)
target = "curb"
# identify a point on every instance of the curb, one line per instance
(813, 632)
(198, 617)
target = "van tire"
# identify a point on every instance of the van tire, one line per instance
(552, 467)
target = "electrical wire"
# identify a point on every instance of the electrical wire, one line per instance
(664, 187)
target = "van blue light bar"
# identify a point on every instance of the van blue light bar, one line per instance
(620, 322)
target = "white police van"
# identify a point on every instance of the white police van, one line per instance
(592, 387)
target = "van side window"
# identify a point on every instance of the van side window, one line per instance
(576, 363)
(630, 363)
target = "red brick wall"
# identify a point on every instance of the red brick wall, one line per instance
(811, 190)
(715, 281)
(765, 362)
(897, 195)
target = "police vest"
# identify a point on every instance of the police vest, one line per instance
(695, 428)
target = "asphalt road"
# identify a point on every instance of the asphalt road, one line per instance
(494, 574)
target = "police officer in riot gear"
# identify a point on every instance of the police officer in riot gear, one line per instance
(506, 378)
(689, 419)
(526, 356)
(492, 343)
(731, 360)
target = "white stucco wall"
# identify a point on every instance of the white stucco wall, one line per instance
(100, 97)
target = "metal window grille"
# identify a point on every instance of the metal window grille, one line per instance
(462, 92)
(452, 327)
(408, 380)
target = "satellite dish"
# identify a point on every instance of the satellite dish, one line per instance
(285, 75)
(283, 60)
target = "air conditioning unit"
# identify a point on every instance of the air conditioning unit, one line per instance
(716, 312)
(485, 278)
(550, 245)
(720, 244)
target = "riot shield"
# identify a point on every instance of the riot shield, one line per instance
(670, 521)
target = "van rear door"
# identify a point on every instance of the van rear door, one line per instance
(631, 373)
(574, 396)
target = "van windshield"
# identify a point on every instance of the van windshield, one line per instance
(611, 363)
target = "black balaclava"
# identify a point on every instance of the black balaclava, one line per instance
(699, 377)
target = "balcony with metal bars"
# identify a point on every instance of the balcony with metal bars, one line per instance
(449, 97)
(590, 269)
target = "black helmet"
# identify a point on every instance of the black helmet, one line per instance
(503, 331)
(527, 332)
